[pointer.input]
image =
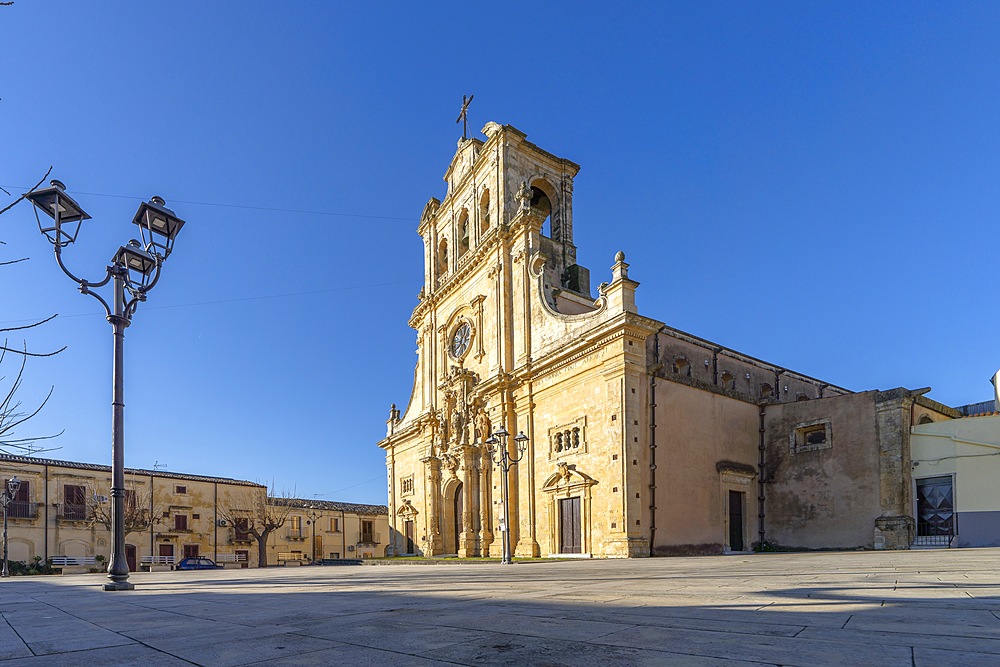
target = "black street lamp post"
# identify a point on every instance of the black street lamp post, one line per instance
(8, 495)
(496, 445)
(133, 272)
(313, 517)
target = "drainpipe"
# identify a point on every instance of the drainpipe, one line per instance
(652, 443)
(215, 522)
(152, 520)
(760, 478)
(46, 520)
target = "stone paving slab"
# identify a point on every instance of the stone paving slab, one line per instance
(887, 608)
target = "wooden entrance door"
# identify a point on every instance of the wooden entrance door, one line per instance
(408, 532)
(570, 534)
(736, 520)
(167, 554)
(130, 557)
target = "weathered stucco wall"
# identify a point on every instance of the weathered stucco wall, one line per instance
(823, 497)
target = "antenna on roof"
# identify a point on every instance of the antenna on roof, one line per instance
(159, 466)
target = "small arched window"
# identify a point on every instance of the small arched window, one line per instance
(463, 232)
(682, 367)
(728, 380)
(925, 419)
(540, 201)
(766, 390)
(484, 212)
(442, 258)
(801, 397)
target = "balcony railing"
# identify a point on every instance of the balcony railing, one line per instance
(297, 535)
(20, 509)
(369, 538)
(74, 512)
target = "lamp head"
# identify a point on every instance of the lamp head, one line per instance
(135, 259)
(62, 209)
(13, 484)
(158, 226)
(500, 433)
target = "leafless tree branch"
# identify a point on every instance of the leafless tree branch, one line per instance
(33, 188)
(141, 507)
(257, 514)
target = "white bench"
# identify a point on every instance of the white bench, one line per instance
(284, 558)
(74, 564)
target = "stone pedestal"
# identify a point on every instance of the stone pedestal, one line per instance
(893, 532)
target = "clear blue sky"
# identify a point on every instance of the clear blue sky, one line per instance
(814, 184)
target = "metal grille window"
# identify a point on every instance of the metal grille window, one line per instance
(75, 502)
(20, 507)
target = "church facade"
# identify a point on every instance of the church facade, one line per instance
(641, 439)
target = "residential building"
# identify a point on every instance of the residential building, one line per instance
(62, 509)
(956, 465)
(323, 529)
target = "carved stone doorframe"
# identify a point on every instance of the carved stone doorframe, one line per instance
(568, 482)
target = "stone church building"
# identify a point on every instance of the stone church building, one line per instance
(641, 439)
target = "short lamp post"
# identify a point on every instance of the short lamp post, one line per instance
(496, 445)
(6, 497)
(313, 517)
(133, 272)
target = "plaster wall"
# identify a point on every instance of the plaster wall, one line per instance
(696, 430)
(827, 497)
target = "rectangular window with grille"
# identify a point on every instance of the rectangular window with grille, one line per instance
(74, 502)
(20, 507)
(242, 530)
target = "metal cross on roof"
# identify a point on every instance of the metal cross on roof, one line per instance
(463, 115)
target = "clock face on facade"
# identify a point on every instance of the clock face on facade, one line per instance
(460, 340)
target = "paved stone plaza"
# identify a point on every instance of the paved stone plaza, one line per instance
(865, 608)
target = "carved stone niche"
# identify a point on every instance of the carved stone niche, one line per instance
(568, 439)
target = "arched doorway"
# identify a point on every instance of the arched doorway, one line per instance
(459, 503)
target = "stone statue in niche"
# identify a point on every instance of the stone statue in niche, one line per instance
(459, 432)
(483, 426)
(523, 196)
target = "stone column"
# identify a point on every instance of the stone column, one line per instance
(467, 546)
(895, 528)
(485, 504)
(433, 496)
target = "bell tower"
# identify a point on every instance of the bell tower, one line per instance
(502, 291)
(483, 182)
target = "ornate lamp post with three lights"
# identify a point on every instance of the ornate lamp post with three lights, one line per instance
(133, 272)
(496, 445)
(8, 495)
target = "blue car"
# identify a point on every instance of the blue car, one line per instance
(198, 563)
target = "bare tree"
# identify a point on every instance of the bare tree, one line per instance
(12, 414)
(257, 514)
(141, 508)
